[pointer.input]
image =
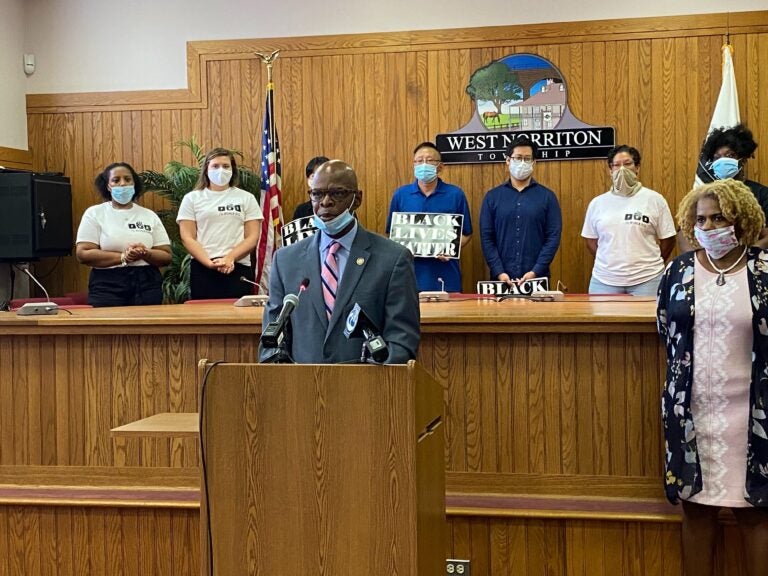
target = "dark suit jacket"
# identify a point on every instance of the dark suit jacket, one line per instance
(379, 276)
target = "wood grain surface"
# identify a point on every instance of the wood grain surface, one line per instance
(370, 98)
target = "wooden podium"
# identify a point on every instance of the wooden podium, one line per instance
(322, 470)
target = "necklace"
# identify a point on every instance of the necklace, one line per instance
(722, 272)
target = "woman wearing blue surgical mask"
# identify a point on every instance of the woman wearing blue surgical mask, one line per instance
(220, 225)
(724, 155)
(712, 317)
(124, 243)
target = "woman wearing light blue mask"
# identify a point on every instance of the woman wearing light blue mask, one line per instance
(124, 243)
(724, 155)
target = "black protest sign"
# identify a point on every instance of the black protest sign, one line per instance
(428, 234)
(297, 230)
(497, 288)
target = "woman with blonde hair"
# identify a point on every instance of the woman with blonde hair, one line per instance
(713, 320)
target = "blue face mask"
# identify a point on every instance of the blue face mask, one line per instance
(425, 172)
(724, 168)
(122, 194)
(334, 227)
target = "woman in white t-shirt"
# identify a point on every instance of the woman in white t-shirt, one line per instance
(629, 230)
(124, 243)
(220, 226)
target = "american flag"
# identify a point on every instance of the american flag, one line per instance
(271, 197)
(725, 115)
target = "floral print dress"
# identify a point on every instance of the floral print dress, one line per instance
(675, 320)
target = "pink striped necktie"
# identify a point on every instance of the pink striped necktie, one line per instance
(330, 278)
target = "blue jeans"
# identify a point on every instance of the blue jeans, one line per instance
(647, 288)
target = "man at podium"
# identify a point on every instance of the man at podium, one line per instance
(354, 287)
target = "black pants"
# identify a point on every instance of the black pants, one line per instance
(209, 283)
(125, 286)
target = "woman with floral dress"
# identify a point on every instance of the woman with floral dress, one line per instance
(715, 398)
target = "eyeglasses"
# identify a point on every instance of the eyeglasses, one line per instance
(335, 194)
(617, 165)
(430, 161)
(526, 159)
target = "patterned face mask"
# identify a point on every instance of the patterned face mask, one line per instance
(718, 241)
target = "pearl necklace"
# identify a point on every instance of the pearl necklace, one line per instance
(722, 272)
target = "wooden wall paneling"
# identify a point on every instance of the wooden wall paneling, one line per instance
(565, 400)
(519, 370)
(47, 400)
(537, 425)
(351, 90)
(21, 405)
(291, 127)
(504, 417)
(250, 122)
(15, 158)
(601, 387)
(474, 389)
(7, 408)
(551, 385)
(456, 411)
(310, 83)
(756, 90)
(484, 348)
(618, 406)
(585, 441)
(214, 112)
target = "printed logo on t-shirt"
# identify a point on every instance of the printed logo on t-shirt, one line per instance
(139, 226)
(637, 218)
(230, 208)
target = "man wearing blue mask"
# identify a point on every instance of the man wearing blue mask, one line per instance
(345, 265)
(428, 193)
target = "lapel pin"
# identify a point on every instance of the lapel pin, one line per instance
(360, 261)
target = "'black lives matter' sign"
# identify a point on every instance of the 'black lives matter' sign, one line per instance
(428, 234)
(297, 230)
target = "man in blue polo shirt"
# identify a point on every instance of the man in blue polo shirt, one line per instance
(520, 221)
(429, 194)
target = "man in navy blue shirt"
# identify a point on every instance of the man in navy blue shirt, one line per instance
(520, 221)
(429, 194)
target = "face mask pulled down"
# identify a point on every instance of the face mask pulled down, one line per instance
(625, 182)
(336, 226)
(717, 242)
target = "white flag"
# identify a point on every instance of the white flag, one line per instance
(726, 114)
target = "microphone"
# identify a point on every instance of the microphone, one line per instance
(274, 334)
(434, 295)
(251, 299)
(37, 308)
(358, 324)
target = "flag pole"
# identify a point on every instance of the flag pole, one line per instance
(271, 202)
(269, 60)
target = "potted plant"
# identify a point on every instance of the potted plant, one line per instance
(173, 183)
